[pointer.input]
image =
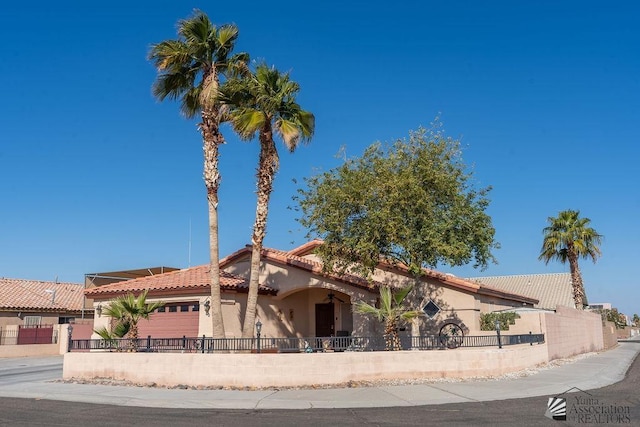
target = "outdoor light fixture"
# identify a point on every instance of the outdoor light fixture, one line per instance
(258, 330)
(69, 336)
(207, 307)
(99, 310)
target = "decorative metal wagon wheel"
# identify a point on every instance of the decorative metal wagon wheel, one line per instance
(451, 335)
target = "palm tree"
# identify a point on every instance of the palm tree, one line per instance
(567, 238)
(126, 311)
(189, 69)
(264, 103)
(391, 311)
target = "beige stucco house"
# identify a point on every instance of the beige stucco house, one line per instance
(26, 302)
(32, 310)
(298, 299)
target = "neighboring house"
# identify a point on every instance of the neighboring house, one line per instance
(600, 306)
(33, 302)
(297, 298)
(91, 280)
(550, 290)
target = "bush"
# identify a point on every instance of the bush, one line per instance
(506, 318)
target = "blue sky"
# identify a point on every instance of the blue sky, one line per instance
(96, 175)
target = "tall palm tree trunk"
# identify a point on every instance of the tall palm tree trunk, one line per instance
(268, 165)
(391, 338)
(212, 138)
(576, 280)
(133, 337)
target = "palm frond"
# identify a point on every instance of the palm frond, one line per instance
(190, 105)
(364, 308)
(104, 333)
(226, 38)
(121, 329)
(272, 93)
(247, 122)
(170, 55)
(197, 29)
(401, 294)
(289, 132)
(201, 49)
(172, 85)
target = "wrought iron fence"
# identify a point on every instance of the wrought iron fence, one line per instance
(8, 337)
(296, 345)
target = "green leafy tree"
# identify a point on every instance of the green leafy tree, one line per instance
(636, 320)
(504, 319)
(189, 69)
(126, 311)
(566, 239)
(391, 312)
(264, 103)
(411, 203)
(614, 316)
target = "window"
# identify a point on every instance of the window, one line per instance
(184, 308)
(32, 320)
(173, 309)
(431, 309)
(161, 310)
(65, 320)
(195, 307)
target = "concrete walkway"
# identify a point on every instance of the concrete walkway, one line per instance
(586, 373)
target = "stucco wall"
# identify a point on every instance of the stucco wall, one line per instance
(528, 322)
(609, 334)
(30, 350)
(266, 370)
(569, 332)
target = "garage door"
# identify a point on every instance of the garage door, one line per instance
(174, 320)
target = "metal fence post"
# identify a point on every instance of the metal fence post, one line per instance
(202, 344)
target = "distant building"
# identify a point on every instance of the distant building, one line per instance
(550, 290)
(34, 303)
(600, 306)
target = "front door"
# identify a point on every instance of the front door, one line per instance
(324, 320)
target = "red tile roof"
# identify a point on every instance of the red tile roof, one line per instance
(448, 279)
(290, 259)
(21, 294)
(195, 279)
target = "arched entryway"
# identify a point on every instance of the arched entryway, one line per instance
(319, 312)
(333, 316)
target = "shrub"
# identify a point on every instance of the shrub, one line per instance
(505, 318)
